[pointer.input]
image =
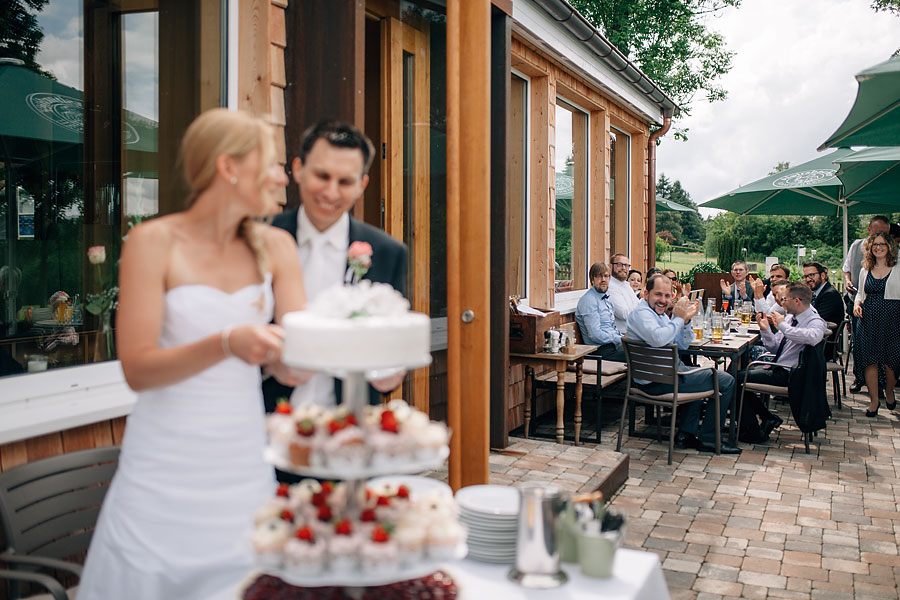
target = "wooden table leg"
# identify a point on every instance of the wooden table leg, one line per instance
(529, 382)
(579, 369)
(560, 403)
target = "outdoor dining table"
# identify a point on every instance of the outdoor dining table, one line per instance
(734, 348)
(637, 575)
(559, 361)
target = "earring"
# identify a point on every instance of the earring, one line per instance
(234, 180)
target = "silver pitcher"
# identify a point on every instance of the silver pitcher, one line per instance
(537, 550)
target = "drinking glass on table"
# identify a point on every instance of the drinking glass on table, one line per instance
(717, 325)
(747, 313)
(697, 326)
(725, 303)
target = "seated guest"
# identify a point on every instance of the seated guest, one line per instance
(680, 290)
(636, 280)
(620, 293)
(595, 316)
(777, 272)
(650, 324)
(826, 300)
(785, 338)
(740, 289)
(771, 301)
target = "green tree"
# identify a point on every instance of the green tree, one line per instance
(781, 166)
(20, 34)
(690, 225)
(670, 41)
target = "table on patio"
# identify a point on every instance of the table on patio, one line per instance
(636, 576)
(560, 363)
(733, 347)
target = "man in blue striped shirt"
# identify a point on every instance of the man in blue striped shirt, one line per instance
(596, 318)
(650, 324)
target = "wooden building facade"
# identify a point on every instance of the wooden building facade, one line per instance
(513, 149)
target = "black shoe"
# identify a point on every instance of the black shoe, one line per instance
(684, 440)
(856, 387)
(872, 413)
(724, 448)
(771, 423)
(890, 405)
(752, 436)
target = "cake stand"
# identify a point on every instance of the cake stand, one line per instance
(355, 395)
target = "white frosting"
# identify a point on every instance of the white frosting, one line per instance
(357, 328)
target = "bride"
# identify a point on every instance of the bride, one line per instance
(198, 290)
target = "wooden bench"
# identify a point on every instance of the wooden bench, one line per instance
(612, 373)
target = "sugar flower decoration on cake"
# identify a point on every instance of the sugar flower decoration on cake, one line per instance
(359, 259)
(365, 299)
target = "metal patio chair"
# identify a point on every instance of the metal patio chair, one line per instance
(660, 365)
(48, 510)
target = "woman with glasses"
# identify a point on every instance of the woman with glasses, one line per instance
(878, 307)
(679, 289)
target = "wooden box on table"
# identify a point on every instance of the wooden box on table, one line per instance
(526, 332)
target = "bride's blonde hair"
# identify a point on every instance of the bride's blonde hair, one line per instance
(218, 132)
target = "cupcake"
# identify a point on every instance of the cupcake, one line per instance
(301, 449)
(387, 443)
(368, 519)
(280, 425)
(305, 554)
(343, 547)
(300, 498)
(344, 445)
(273, 506)
(430, 440)
(443, 538)
(323, 523)
(379, 554)
(268, 541)
(410, 540)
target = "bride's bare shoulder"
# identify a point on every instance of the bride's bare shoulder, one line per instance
(153, 237)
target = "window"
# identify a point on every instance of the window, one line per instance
(619, 193)
(517, 167)
(73, 179)
(571, 186)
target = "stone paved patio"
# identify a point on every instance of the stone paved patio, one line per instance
(773, 522)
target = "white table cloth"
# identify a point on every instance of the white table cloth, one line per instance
(636, 576)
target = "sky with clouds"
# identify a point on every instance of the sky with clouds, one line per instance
(791, 85)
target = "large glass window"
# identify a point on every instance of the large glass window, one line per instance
(517, 167)
(571, 186)
(72, 181)
(619, 192)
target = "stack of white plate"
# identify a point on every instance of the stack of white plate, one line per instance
(491, 514)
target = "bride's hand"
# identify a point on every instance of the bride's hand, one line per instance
(255, 344)
(286, 375)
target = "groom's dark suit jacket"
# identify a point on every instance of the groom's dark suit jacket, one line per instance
(389, 262)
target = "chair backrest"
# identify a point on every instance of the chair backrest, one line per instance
(49, 507)
(834, 340)
(696, 295)
(649, 363)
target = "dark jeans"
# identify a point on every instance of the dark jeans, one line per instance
(689, 421)
(754, 410)
(611, 353)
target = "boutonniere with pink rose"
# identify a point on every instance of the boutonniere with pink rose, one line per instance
(359, 259)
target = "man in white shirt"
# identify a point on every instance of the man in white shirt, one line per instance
(331, 173)
(620, 293)
(851, 267)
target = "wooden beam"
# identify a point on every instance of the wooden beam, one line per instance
(468, 238)
(501, 27)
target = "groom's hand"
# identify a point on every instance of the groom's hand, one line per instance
(388, 384)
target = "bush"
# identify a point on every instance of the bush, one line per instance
(662, 246)
(703, 267)
(728, 249)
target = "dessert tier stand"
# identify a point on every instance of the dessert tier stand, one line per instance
(355, 393)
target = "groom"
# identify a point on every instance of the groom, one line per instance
(331, 174)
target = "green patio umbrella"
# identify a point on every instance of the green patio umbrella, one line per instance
(665, 205)
(874, 119)
(811, 188)
(872, 176)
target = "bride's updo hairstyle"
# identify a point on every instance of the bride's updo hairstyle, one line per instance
(219, 132)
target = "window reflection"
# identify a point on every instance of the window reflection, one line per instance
(517, 166)
(619, 198)
(73, 181)
(570, 168)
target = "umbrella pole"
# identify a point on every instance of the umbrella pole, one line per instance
(845, 230)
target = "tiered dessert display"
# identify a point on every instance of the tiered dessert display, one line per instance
(335, 530)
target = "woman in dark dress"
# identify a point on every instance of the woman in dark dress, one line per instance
(878, 305)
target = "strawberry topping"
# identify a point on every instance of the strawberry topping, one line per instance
(403, 491)
(283, 407)
(324, 513)
(368, 515)
(305, 533)
(343, 527)
(283, 490)
(379, 534)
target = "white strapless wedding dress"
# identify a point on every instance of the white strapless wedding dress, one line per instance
(177, 520)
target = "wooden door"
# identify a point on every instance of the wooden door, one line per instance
(405, 168)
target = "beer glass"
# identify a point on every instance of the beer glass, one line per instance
(717, 324)
(697, 326)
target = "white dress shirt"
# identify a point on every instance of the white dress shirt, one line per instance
(797, 331)
(624, 301)
(323, 255)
